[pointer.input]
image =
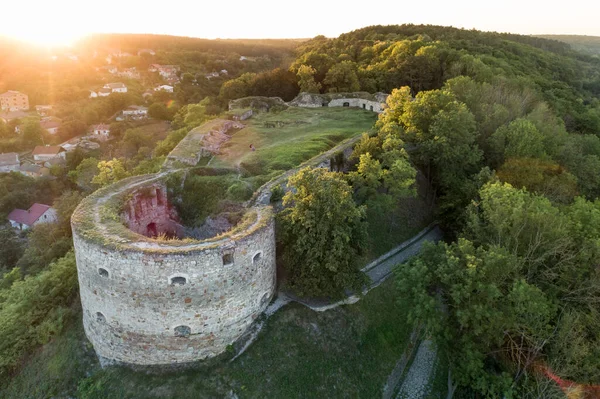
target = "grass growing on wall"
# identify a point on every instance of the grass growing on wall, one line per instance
(285, 139)
(345, 352)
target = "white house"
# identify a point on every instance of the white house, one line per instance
(104, 92)
(93, 94)
(9, 162)
(22, 219)
(44, 153)
(101, 131)
(116, 87)
(135, 112)
(166, 88)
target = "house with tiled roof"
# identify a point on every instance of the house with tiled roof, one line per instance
(9, 162)
(22, 219)
(44, 153)
(101, 131)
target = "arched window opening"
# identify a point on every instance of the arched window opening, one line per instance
(346, 104)
(364, 106)
(371, 107)
(100, 317)
(178, 280)
(257, 257)
(103, 272)
(183, 331)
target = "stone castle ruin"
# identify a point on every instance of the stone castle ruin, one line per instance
(152, 295)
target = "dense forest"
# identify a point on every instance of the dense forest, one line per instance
(504, 129)
(585, 44)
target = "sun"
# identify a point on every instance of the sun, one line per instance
(49, 39)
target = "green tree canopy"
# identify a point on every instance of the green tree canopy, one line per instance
(323, 234)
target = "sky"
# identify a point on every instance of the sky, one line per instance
(63, 21)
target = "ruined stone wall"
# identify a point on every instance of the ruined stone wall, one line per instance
(358, 103)
(159, 302)
(370, 102)
(135, 311)
(149, 213)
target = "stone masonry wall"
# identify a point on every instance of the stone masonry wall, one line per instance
(149, 213)
(135, 311)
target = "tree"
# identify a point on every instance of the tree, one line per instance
(306, 79)
(159, 111)
(519, 139)
(84, 174)
(323, 234)
(479, 311)
(539, 176)
(11, 249)
(109, 172)
(342, 77)
(237, 88)
(33, 134)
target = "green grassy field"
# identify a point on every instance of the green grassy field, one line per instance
(285, 139)
(345, 352)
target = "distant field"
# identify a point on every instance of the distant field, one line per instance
(284, 140)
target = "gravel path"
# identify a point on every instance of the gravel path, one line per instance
(381, 268)
(378, 270)
(416, 383)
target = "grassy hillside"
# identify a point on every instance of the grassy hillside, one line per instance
(285, 139)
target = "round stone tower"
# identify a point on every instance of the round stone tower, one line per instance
(153, 300)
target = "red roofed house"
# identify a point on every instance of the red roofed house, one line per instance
(45, 153)
(38, 213)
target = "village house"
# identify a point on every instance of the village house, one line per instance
(130, 73)
(101, 131)
(212, 75)
(9, 162)
(135, 112)
(167, 88)
(43, 110)
(21, 219)
(104, 92)
(115, 87)
(51, 126)
(35, 171)
(14, 101)
(44, 153)
(93, 94)
(166, 71)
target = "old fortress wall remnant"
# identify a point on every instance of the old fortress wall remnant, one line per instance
(153, 301)
(153, 297)
(370, 102)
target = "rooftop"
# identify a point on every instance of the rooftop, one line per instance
(30, 216)
(47, 150)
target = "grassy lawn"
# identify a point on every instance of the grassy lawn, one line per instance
(285, 139)
(346, 352)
